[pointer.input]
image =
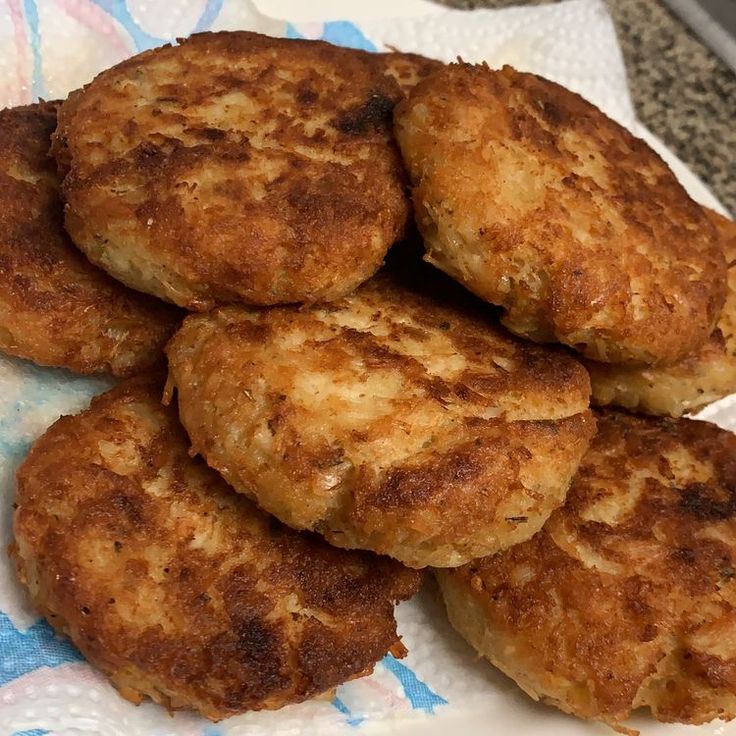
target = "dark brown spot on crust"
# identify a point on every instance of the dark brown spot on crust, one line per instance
(374, 113)
(707, 503)
(306, 94)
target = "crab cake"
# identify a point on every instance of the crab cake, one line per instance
(176, 587)
(388, 420)
(56, 308)
(627, 597)
(693, 382)
(537, 202)
(407, 69)
(271, 176)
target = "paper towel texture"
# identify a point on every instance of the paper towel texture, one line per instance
(49, 47)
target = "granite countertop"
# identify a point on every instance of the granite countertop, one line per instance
(682, 91)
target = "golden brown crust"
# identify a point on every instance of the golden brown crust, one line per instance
(56, 308)
(627, 597)
(270, 177)
(176, 587)
(389, 420)
(407, 69)
(536, 201)
(693, 382)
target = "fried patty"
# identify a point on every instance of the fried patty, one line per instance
(56, 308)
(391, 420)
(176, 587)
(242, 168)
(537, 202)
(407, 69)
(627, 597)
(695, 381)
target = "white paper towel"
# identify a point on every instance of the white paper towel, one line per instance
(47, 48)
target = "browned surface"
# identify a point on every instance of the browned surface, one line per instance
(55, 307)
(407, 69)
(627, 596)
(178, 588)
(241, 168)
(390, 420)
(693, 382)
(537, 202)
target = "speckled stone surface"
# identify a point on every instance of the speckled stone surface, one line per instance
(682, 91)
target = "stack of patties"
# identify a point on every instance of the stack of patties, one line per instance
(270, 176)
(352, 421)
(538, 203)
